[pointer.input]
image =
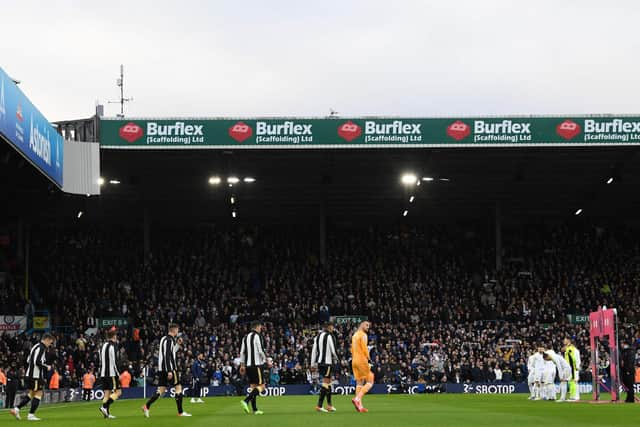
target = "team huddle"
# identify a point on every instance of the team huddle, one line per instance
(544, 364)
(253, 361)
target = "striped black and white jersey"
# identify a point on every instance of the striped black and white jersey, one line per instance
(109, 360)
(324, 349)
(252, 350)
(167, 354)
(36, 366)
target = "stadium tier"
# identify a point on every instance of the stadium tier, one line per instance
(439, 313)
(271, 272)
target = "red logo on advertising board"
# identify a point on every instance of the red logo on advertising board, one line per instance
(19, 113)
(131, 132)
(568, 129)
(458, 130)
(349, 131)
(240, 131)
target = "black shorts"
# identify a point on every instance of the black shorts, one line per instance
(325, 371)
(35, 384)
(255, 375)
(165, 381)
(110, 383)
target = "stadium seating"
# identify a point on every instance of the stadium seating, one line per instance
(440, 312)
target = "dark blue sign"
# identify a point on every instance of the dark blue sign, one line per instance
(24, 127)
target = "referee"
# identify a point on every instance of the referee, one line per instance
(324, 358)
(109, 374)
(252, 361)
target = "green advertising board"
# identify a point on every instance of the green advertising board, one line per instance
(341, 320)
(578, 319)
(118, 322)
(368, 132)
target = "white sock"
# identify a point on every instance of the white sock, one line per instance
(532, 389)
(563, 390)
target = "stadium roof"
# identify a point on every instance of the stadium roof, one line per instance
(349, 185)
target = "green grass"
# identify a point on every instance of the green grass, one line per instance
(396, 410)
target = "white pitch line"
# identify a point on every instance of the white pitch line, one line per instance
(56, 406)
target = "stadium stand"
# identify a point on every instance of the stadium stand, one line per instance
(439, 312)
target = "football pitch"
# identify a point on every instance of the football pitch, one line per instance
(385, 410)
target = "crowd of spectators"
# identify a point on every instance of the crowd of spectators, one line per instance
(440, 311)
